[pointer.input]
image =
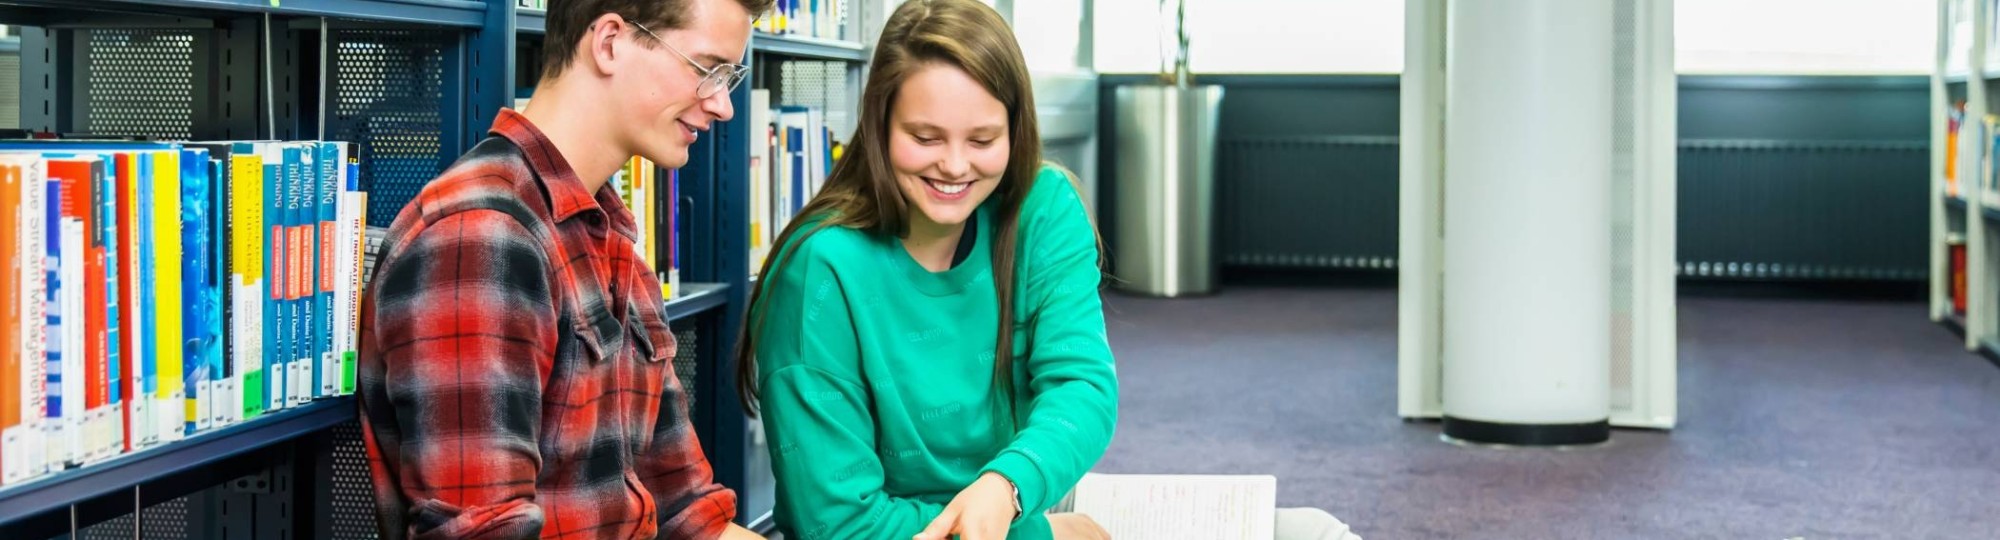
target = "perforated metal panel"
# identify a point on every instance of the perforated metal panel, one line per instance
(141, 83)
(388, 98)
(164, 521)
(685, 359)
(10, 89)
(822, 85)
(351, 491)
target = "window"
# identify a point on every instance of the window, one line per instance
(1257, 36)
(1817, 37)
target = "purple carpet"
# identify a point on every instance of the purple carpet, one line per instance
(1798, 418)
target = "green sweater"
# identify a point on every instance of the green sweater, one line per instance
(877, 375)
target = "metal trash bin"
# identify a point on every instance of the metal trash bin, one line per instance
(1165, 190)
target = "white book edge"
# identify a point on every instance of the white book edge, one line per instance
(1220, 507)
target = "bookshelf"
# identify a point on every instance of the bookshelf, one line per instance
(413, 83)
(1965, 225)
(797, 70)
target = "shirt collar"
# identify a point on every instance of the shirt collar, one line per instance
(566, 191)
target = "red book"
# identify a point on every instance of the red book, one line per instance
(80, 179)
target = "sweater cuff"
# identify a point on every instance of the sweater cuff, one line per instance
(1027, 477)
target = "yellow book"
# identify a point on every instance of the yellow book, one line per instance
(170, 348)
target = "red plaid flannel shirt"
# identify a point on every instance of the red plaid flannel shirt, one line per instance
(516, 367)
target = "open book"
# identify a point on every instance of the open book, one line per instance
(1167, 507)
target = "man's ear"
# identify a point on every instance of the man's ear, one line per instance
(600, 41)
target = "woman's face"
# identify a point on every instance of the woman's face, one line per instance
(947, 143)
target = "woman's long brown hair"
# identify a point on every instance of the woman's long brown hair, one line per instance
(861, 191)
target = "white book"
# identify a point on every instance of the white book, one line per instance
(32, 264)
(80, 442)
(1205, 507)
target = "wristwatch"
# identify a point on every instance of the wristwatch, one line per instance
(1017, 496)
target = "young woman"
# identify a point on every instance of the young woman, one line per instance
(927, 345)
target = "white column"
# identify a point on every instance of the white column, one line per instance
(1527, 221)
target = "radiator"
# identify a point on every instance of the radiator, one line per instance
(1784, 210)
(1308, 202)
(1811, 210)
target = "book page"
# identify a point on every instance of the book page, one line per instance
(1206, 507)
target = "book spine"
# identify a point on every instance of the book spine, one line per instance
(251, 178)
(73, 329)
(298, 269)
(34, 280)
(13, 459)
(357, 249)
(273, 254)
(104, 305)
(195, 319)
(166, 304)
(331, 165)
(222, 366)
(131, 293)
(55, 426)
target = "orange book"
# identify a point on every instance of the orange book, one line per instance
(12, 346)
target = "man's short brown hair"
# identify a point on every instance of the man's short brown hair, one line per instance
(568, 19)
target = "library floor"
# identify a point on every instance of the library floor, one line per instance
(1799, 418)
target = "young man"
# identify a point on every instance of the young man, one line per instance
(516, 373)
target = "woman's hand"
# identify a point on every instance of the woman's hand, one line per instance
(1076, 527)
(982, 511)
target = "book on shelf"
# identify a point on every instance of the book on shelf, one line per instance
(135, 295)
(1954, 119)
(1985, 147)
(792, 152)
(818, 19)
(1220, 507)
(23, 412)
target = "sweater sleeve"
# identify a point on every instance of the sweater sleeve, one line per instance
(815, 410)
(1071, 400)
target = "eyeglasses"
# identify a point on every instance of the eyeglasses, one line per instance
(714, 80)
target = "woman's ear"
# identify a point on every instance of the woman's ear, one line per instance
(600, 43)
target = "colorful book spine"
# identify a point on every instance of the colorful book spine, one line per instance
(223, 367)
(75, 209)
(18, 457)
(148, 333)
(125, 168)
(13, 462)
(55, 425)
(28, 455)
(247, 175)
(356, 209)
(298, 388)
(165, 305)
(198, 293)
(276, 354)
(104, 306)
(332, 166)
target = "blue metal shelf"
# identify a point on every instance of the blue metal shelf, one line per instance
(455, 13)
(74, 486)
(531, 21)
(697, 298)
(808, 48)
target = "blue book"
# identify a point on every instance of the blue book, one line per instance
(274, 242)
(57, 432)
(332, 163)
(221, 367)
(148, 285)
(201, 302)
(308, 224)
(104, 203)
